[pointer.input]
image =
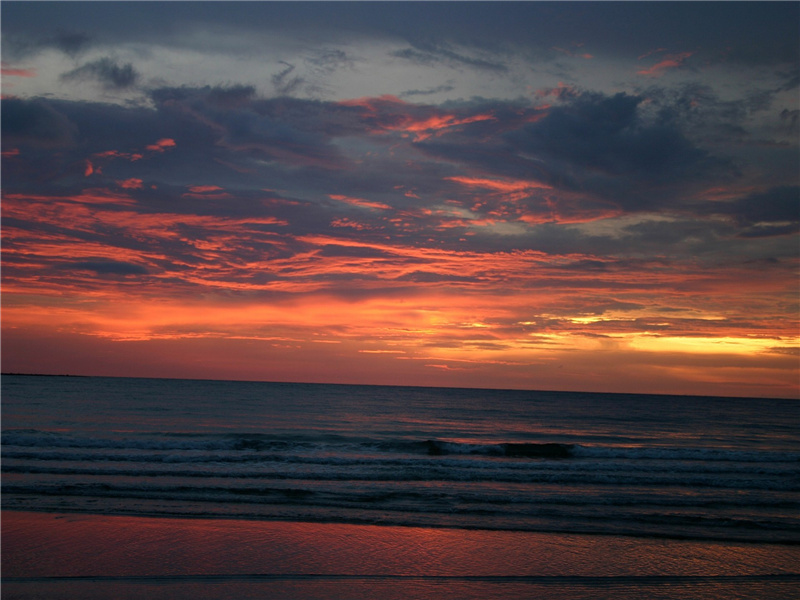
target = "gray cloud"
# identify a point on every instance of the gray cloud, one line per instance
(284, 84)
(17, 45)
(428, 92)
(107, 72)
(329, 60)
(430, 53)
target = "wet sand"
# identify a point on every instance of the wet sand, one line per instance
(55, 556)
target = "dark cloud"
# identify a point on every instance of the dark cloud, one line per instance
(231, 97)
(606, 137)
(17, 45)
(607, 149)
(792, 80)
(792, 119)
(71, 43)
(733, 30)
(35, 122)
(107, 72)
(771, 213)
(775, 205)
(596, 152)
(333, 250)
(107, 267)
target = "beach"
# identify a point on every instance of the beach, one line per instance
(136, 488)
(52, 555)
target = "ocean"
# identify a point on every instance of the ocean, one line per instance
(653, 468)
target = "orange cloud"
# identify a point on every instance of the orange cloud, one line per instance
(500, 185)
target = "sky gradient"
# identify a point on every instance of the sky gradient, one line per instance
(565, 196)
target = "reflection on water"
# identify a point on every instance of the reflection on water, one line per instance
(93, 556)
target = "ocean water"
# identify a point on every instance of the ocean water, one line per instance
(659, 467)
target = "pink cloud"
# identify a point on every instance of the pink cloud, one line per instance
(131, 184)
(656, 51)
(161, 145)
(133, 157)
(12, 72)
(671, 61)
(200, 189)
(359, 202)
(390, 114)
(571, 54)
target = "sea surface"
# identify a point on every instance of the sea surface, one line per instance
(660, 467)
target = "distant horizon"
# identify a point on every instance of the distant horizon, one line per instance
(435, 387)
(487, 195)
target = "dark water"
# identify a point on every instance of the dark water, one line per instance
(654, 466)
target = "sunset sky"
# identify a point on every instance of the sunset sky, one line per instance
(563, 196)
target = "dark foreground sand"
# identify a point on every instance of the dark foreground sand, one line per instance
(67, 556)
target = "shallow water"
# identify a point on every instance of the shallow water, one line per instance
(93, 556)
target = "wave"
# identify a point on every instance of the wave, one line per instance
(325, 472)
(258, 443)
(412, 507)
(456, 462)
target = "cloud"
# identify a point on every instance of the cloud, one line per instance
(773, 212)
(231, 97)
(107, 72)
(431, 53)
(27, 45)
(71, 43)
(35, 122)
(792, 118)
(670, 61)
(428, 92)
(608, 146)
(9, 71)
(326, 61)
(106, 267)
(284, 84)
(161, 145)
(281, 130)
(613, 153)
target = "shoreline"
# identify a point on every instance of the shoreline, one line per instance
(66, 555)
(265, 518)
(20, 528)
